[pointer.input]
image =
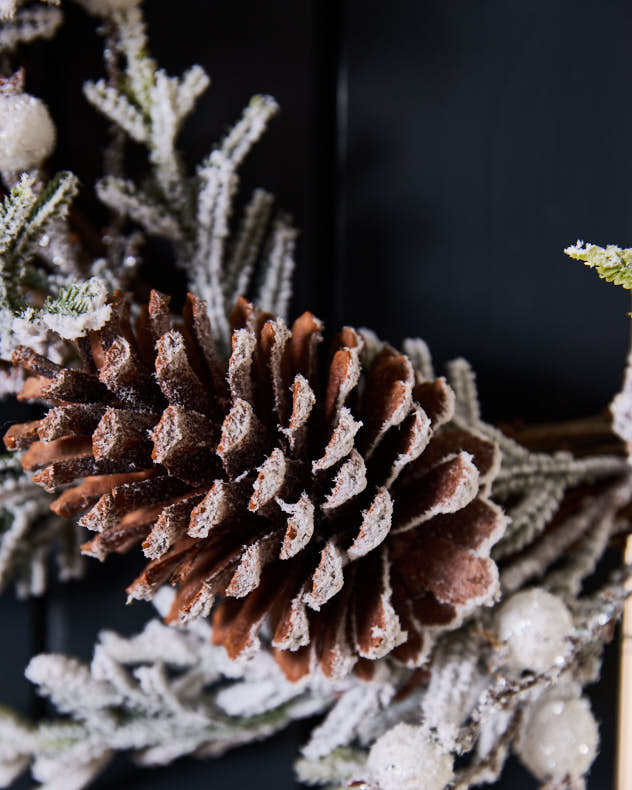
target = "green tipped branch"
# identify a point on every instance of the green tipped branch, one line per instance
(612, 263)
(27, 214)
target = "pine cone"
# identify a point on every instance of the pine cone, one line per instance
(337, 502)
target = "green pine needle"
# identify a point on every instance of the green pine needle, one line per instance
(26, 215)
(73, 300)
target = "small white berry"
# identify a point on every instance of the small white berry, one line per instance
(27, 133)
(406, 758)
(559, 737)
(534, 626)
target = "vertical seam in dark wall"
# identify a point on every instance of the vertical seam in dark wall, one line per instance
(330, 155)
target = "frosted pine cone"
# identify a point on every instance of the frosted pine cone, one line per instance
(334, 500)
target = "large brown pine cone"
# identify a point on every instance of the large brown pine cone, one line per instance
(327, 495)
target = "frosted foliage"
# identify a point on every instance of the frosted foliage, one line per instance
(107, 7)
(534, 625)
(621, 407)
(559, 738)
(27, 133)
(8, 8)
(406, 758)
(84, 310)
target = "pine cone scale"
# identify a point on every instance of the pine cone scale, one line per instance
(86, 494)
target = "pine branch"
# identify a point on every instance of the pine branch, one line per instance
(531, 485)
(193, 213)
(156, 694)
(117, 107)
(24, 25)
(9, 8)
(339, 767)
(597, 513)
(275, 288)
(122, 196)
(612, 263)
(29, 534)
(26, 215)
(30, 218)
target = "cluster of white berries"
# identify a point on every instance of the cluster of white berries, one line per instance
(559, 736)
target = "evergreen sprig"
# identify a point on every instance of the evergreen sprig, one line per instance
(612, 263)
(192, 211)
(29, 534)
(72, 300)
(26, 215)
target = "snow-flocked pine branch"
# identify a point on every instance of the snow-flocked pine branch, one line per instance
(29, 534)
(193, 211)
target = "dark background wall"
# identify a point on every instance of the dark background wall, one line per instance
(438, 157)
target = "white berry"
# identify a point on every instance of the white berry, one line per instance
(406, 758)
(27, 133)
(534, 626)
(559, 738)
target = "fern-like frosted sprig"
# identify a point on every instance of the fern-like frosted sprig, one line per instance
(611, 263)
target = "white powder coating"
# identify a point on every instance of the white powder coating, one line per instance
(406, 758)
(534, 626)
(107, 7)
(27, 133)
(559, 738)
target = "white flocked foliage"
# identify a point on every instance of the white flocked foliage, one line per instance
(9, 8)
(29, 533)
(24, 25)
(194, 213)
(107, 7)
(530, 484)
